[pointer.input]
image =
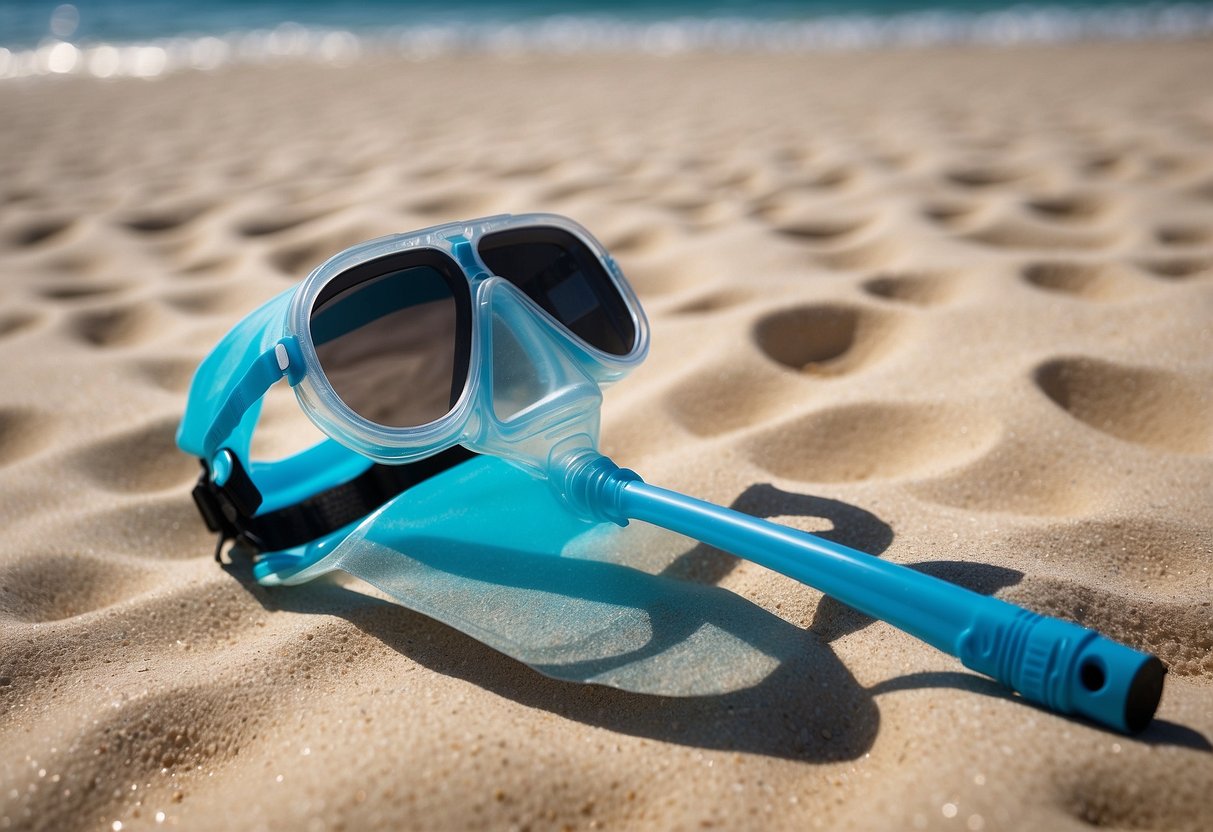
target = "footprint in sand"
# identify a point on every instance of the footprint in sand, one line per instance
(164, 218)
(983, 176)
(1147, 406)
(211, 300)
(1014, 476)
(951, 215)
(116, 326)
(277, 221)
(1083, 279)
(171, 374)
(66, 292)
(835, 242)
(726, 396)
(1178, 268)
(825, 339)
(873, 441)
(33, 232)
(298, 259)
(1014, 232)
(450, 205)
(717, 301)
(916, 289)
(822, 231)
(1071, 208)
(12, 323)
(1175, 631)
(1184, 235)
(1106, 796)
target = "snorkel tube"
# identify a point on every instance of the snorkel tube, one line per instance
(1057, 664)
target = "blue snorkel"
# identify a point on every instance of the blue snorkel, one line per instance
(1054, 663)
(533, 398)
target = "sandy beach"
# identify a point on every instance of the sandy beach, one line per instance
(965, 293)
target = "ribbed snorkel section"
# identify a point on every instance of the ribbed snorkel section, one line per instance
(592, 484)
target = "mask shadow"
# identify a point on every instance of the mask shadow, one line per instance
(805, 706)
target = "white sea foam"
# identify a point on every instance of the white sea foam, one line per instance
(569, 34)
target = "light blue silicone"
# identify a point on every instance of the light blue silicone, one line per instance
(490, 550)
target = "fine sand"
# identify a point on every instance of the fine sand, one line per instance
(967, 293)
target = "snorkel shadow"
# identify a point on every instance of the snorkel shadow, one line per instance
(808, 708)
(779, 689)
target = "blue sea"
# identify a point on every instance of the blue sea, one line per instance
(148, 37)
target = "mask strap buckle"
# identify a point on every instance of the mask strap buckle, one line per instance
(226, 508)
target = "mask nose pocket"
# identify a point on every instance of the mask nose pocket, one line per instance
(535, 389)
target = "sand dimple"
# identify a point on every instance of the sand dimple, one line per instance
(116, 326)
(1112, 793)
(921, 289)
(984, 176)
(874, 441)
(140, 460)
(1017, 478)
(1139, 553)
(166, 217)
(824, 339)
(22, 432)
(1177, 268)
(720, 399)
(275, 222)
(172, 373)
(821, 230)
(12, 323)
(1179, 633)
(1077, 207)
(450, 205)
(1091, 281)
(39, 230)
(1148, 406)
(211, 300)
(951, 214)
(1184, 235)
(79, 291)
(1022, 233)
(716, 301)
(34, 590)
(297, 259)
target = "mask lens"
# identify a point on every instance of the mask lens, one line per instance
(567, 279)
(391, 337)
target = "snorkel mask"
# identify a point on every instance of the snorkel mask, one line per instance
(496, 336)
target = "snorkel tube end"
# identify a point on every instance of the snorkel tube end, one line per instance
(1116, 685)
(1065, 667)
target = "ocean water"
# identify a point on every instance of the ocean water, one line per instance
(149, 37)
